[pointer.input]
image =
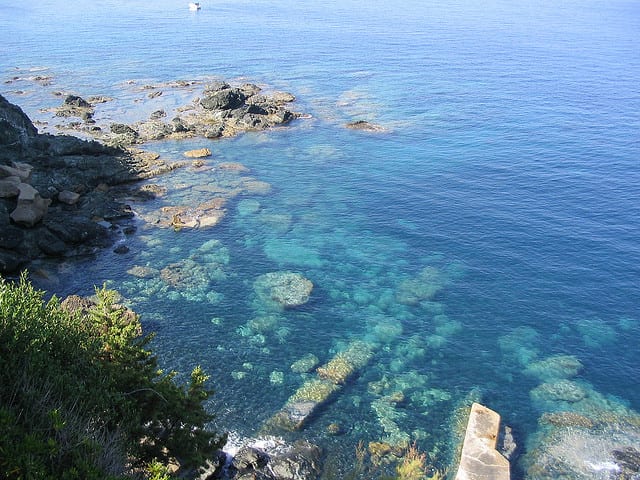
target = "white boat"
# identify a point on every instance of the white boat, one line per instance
(194, 6)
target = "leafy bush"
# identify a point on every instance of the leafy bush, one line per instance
(82, 396)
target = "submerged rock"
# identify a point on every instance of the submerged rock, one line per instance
(317, 391)
(305, 364)
(559, 391)
(606, 451)
(423, 286)
(286, 289)
(141, 271)
(582, 435)
(555, 367)
(365, 126)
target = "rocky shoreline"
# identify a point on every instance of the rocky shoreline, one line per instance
(60, 194)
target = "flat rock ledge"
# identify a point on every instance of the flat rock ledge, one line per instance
(479, 459)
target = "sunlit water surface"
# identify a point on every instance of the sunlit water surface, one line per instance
(496, 223)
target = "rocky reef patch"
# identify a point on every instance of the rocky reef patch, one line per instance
(69, 193)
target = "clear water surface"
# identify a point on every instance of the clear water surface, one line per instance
(505, 198)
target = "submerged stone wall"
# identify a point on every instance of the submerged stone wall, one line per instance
(479, 459)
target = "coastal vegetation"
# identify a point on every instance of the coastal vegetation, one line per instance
(83, 397)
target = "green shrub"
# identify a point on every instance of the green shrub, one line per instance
(82, 396)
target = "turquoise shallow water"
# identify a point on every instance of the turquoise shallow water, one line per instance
(511, 170)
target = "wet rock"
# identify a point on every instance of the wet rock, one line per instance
(75, 230)
(315, 392)
(555, 367)
(204, 215)
(595, 437)
(283, 97)
(232, 167)
(122, 129)
(64, 163)
(186, 275)
(154, 129)
(76, 101)
(129, 229)
(508, 444)
(158, 114)
(250, 459)
(605, 452)
(257, 187)
(199, 153)
(566, 419)
(121, 249)
(301, 462)
(269, 459)
(424, 286)
(305, 364)
(75, 106)
(628, 458)
(334, 429)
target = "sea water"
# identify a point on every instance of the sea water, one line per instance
(493, 224)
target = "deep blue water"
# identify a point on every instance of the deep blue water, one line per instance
(512, 166)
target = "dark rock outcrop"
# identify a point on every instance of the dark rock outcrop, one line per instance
(59, 190)
(35, 168)
(16, 130)
(221, 111)
(298, 461)
(223, 99)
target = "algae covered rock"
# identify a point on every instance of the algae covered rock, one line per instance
(560, 391)
(286, 289)
(580, 452)
(345, 363)
(423, 286)
(582, 434)
(305, 364)
(555, 367)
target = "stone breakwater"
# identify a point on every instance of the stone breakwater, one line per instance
(60, 195)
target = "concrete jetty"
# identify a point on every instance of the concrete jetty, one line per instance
(479, 459)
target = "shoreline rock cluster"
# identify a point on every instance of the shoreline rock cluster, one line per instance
(268, 458)
(221, 111)
(59, 194)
